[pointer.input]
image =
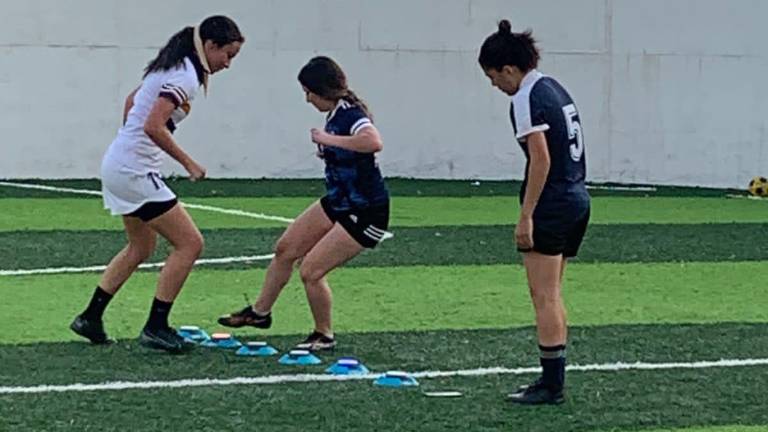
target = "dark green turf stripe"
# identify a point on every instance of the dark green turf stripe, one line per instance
(419, 246)
(60, 363)
(632, 400)
(315, 187)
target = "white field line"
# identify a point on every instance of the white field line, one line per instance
(305, 378)
(624, 188)
(97, 268)
(235, 212)
(749, 197)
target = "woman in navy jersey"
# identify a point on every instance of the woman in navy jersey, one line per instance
(134, 189)
(352, 216)
(554, 200)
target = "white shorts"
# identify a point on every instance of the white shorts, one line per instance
(126, 190)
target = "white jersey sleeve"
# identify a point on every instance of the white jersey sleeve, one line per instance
(181, 85)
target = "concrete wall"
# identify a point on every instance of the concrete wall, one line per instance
(669, 90)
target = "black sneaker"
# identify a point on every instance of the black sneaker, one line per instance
(246, 317)
(524, 387)
(93, 330)
(164, 339)
(317, 341)
(537, 394)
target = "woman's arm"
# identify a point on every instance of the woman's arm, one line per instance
(367, 140)
(155, 128)
(129, 104)
(538, 170)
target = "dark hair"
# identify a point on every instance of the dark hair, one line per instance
(324, 77)
(219, 29)
(505, 48)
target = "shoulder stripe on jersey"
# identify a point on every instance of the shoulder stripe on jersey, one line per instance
(171, 96)
(178, 91)
(360, 125)
(522, 106)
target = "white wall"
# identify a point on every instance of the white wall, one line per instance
(669, 90)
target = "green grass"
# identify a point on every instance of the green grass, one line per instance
(30, 364)
(710, 429)
(671, 398)
(316, 187)
(625, 402)
(75, 213)
(702, 429)
(674, 275)
(407, 298)
(447, 245)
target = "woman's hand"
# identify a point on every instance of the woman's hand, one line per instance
(524, 233)
(320, 136)
(195, 170)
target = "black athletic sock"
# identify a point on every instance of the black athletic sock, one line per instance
(158, 315)
(98, 304)
(553, 366)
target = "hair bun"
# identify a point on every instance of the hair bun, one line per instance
(505, 26)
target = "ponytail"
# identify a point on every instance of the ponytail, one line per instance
(350, 96)
(172, 54)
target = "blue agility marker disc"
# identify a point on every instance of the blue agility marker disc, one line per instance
(222, 340)
(348, 366)
(256, 349)
(396, 379)
(193, 334)
(299, 357)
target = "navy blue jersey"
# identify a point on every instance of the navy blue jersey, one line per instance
(543, 105)
(352, 179)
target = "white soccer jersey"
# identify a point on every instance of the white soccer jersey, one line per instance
(132, 149)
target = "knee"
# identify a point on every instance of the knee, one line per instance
(141, 252)
(284, 251)
(310, 273)
(198, 244)
(545, 299)
(194, 245)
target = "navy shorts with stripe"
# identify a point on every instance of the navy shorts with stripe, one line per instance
(367, 226)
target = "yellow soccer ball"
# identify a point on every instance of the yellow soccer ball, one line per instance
(758, 186)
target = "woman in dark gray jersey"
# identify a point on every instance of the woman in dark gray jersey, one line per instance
(553, 198)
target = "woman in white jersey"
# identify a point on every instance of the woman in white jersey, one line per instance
(132, 184)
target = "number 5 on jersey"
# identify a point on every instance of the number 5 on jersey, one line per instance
(574, 131)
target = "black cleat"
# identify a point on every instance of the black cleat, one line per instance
(246, 317)
(537, 394)
(164, 339)
(524, 387)
(93, 330)
(317, 341)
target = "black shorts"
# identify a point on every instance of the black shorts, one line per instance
(559, 230)
(367, 226)
(151, 210)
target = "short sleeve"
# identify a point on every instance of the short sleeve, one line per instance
(530, 115)
(354, 120)
(181, 85)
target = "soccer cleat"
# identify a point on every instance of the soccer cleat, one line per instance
(317, 341)
(525, 387)
(166, 339)
(93, 330)
(246, 317)
(537, 394)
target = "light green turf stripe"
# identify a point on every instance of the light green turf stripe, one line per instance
(408, 298)
(83, 214)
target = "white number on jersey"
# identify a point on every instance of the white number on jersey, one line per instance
(574, 131)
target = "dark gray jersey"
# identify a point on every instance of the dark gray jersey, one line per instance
(543, 105)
